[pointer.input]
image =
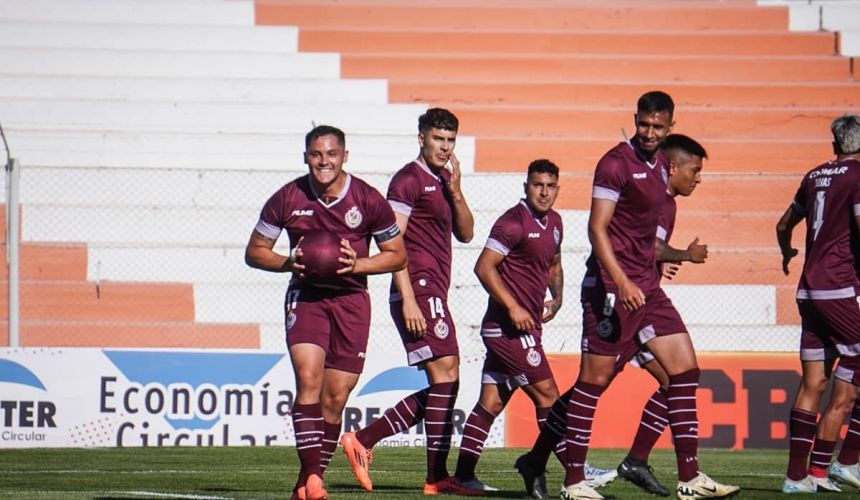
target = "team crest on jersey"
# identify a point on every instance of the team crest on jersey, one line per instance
(533, 357)
(604, 328)
(441, 329)
(353, 217)
(291, 320)
(556, 234)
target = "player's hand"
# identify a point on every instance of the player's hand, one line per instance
(631, 296)
(416, 325)
(787, 255)
(453, 167)
(521, 319)
(670, 269)
(349, 258)
(294, 259)
(698, 252)
(550, 308)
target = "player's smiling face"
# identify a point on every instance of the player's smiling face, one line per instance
(651, 130)
(436, 146)
(541, 191)
(325, 157)
(685, 174)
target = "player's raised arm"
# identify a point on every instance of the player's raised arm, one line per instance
(464, 222)
(629, 294)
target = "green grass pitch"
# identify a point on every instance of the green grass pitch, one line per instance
(263, 473)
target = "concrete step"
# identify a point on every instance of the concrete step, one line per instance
(161, 64)
(297, 91)
(618, 67)
(513, 15)
(210, 151)
(616, 93)
(187, 12)
(566, 41)
(156, 335)
(226, 118)
(727, 154)
(162, 37)
(103, 301)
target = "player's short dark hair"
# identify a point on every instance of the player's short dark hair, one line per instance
(846, 134)
(655, 101)
(543, 166)
(683, 143)
(439, 118)
(322, 130)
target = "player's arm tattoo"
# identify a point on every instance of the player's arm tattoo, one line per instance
(666, 253)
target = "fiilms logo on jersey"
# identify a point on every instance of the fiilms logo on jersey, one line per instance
(193, 398)
(24, 421)
(556, 235)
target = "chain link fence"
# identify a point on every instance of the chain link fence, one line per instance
(127, 257)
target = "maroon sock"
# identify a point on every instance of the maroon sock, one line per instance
(551, 436)
(822, 454)
(580, 417)
(850, 452)
(331, 434)
(308, 426)
(684, 421)
(406, 413)
(438, 427)
(655, 417)
(475, 433)
(801, 428)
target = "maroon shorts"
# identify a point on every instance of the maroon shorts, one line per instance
(636, 355)
(336, 320)
(514, 359)
(610, 330)
(830, 329)
(439, 340)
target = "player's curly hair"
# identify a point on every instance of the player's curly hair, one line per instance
(439, 118)
(846, 134)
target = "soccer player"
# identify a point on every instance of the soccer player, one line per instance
(429, 205)
(829, 200)
(521, 259)
(327, 326)
(623, 304)
(685, 157)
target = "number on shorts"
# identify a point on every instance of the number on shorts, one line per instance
(292, 299)
(819, 213)
(609, 304)
(436, 307)
(527, 340)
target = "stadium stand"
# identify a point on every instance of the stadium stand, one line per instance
(150, 140)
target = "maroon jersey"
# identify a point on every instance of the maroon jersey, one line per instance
(638, 187)
(358, 213)
(666, 224)
(829, 199)
(529, 245)
(418, 193)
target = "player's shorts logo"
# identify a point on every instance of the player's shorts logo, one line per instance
(533, 357)
(353, 217)
(556, 235)
(291, 320)
(441, 329)
(604, 328)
